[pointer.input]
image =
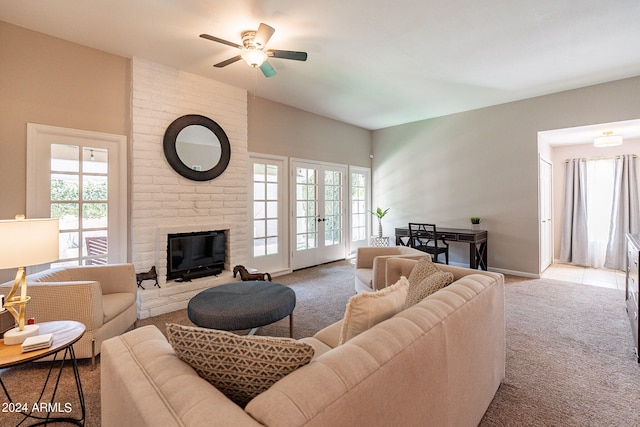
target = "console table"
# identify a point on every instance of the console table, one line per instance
(476, 239)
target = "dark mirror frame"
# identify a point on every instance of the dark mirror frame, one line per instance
(170, 152)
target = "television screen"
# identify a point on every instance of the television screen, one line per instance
(191, 255)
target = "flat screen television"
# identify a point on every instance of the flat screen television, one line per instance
(192, 255)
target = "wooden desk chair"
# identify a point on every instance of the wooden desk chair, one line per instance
(424, 237)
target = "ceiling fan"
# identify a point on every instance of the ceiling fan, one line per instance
(253, 50)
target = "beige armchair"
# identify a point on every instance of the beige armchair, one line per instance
(371, 265)
(102, 297)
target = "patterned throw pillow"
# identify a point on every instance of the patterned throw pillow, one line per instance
(423, 269)
(241, 367)
(425, 279)
(370, 308)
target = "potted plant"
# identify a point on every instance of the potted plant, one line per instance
(379, 213)
(475, 222)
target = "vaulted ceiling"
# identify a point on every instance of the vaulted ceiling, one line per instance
(373, 63)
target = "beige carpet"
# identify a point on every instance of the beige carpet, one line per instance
(570, 359)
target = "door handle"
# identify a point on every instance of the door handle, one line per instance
(321, 219)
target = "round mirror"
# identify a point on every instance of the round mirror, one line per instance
(196, 147)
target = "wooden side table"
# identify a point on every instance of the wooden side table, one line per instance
(65, 334)
(6, 322)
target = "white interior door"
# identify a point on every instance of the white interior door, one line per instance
(318, 212)
(546, 215)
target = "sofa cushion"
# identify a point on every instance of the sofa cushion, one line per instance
(365, 275)
(331, 334)
(319, 348)
(370, 308)
(114, 304)
(425, 279)
(241, 367)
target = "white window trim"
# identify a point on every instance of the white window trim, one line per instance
(35, 132)
(367, 172)
(283, 266)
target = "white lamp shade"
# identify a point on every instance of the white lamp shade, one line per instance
(25, 242)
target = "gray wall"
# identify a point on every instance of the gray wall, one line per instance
(286, 131)
(485, 163)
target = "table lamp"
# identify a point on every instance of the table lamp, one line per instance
(25, 242)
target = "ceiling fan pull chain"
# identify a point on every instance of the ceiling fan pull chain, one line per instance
(255, 82)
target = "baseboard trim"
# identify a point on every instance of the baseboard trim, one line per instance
(515, 273)
(501, 270)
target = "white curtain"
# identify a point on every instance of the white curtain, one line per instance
(624, 214)
(574, 246)
(599, 191)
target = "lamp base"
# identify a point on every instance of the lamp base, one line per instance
(16, 336)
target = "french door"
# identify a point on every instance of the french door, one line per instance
(267, 190)
(318, 212)
(79, 177)
(360, 195)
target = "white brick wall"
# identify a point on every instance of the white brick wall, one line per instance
(163, 201)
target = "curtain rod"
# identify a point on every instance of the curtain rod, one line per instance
(600, 158)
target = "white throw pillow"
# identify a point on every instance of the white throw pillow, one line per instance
(370, 308)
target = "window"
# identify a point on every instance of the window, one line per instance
(360, 194)
(84, 187)
(265, 209)
(268, 241)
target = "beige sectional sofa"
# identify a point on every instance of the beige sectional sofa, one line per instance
(371, 265)
(102, 297)
(436, 363)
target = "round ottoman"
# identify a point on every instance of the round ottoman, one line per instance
(242, 305)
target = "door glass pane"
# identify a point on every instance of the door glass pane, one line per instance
(68, 215)
(272, 209)
(272, 173)
(265, 209)
(258, 210)
(94, 187)
(94, 160)
(94, 215)
(65, 187)
(65, 158)
(86, 185)
(358, 207)
(96, 247)
(69, 247)
(332, 207)
(306, 208)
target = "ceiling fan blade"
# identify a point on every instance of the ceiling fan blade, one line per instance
(216, 39)
(228, 62)
(267, 69)
(287, 54)
(263, 35)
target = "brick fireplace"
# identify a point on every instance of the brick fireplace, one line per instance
(163, 202)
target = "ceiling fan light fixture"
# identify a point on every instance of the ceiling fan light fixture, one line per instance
(254, 57)
(607, 140)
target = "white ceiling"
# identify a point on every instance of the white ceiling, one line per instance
(372, 63)
(627, 129)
